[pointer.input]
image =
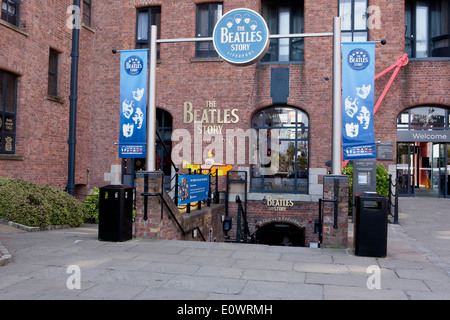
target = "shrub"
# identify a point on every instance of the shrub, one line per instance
(382, 180)
(91, 206)
(38, 206)
(348, 170)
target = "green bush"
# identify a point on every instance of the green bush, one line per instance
(348, 170)
(382, 180)
(38, 205)
(91, 206)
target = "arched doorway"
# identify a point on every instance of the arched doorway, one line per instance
(164, 127)
(281, 234)
(423, 151)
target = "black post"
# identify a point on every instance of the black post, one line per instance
(176, 188)
(238, 221)
(396, 202)
(390, 195)
(216, 194)
(188, 205)
(208, 201)
(73, 98)
(336, 203)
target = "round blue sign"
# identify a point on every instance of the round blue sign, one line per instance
(134, 65)
(241, 37)
(358, 59)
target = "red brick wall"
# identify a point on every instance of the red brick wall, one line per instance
(165, 227)
(180, 78)
(42, 124)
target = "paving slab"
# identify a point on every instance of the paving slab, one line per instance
(416, 266)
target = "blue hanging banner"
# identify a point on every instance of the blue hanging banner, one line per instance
(133, 103)
(358, 85)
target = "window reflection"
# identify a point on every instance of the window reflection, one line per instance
(286, 168)
(427, 28)
(426, 117)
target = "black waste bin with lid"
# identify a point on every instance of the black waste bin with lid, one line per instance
(115, 213)
(370, 225)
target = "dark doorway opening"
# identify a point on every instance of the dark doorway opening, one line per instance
(281, 234)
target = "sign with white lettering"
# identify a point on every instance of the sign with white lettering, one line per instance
(423, 135)
(241, 37)
(193, 188)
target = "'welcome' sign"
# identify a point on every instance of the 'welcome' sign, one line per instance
(241, 37)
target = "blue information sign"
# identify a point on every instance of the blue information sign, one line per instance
(193, 188)
(241, 37)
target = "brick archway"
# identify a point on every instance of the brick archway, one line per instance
(280, 231)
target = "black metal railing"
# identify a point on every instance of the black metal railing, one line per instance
(174, 182)
(320, 223)
(163, 201)
(241, 213)
(212, 185)
(239, 177)
(175, 185)
(393, 204)
(335, 201)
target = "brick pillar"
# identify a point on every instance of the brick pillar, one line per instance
(335, 186)
(151, 227)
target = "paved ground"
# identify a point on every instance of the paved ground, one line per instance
(417, 265)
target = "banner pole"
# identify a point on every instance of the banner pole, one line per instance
(337, 99)
(151, 110)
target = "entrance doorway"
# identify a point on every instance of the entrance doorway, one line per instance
(281, 234)
(423, 169)
(406, 168)
(423, 155)
(441, 168)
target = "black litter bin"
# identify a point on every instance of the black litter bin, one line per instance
(370, 225)
(115, 213)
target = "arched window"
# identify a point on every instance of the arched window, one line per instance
(424, 118)
(284, 170)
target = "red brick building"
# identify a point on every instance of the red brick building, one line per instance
(292, 84)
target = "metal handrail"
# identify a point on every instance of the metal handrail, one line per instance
(173, 165)
(167, 151)
(146, 194)
(172, 215)
(335, 226)
(242, 212)
(395, 205)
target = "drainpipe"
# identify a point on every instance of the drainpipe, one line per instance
(73, 99)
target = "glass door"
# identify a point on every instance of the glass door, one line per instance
(441, 170)
(406, 156)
